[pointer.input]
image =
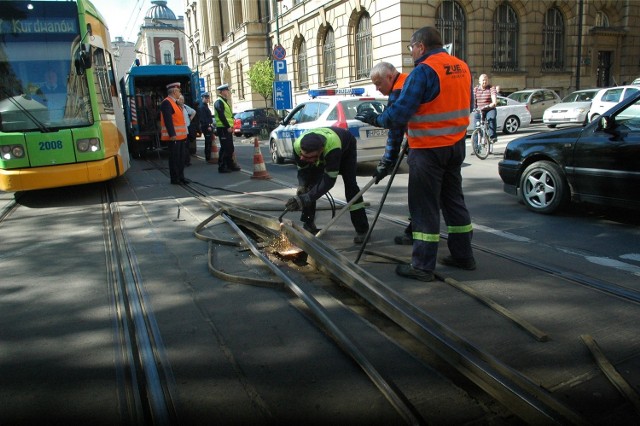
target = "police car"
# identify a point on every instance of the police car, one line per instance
(331, 108)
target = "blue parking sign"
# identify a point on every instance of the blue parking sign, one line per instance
(282, 95)
(280, 67)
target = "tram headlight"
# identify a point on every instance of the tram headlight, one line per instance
(12, 151)
(17, 151)
(85, 145)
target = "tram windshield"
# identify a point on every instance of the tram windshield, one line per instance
(40, 85)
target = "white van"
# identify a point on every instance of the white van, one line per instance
(605, 99)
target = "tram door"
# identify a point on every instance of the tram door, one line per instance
(604, 69)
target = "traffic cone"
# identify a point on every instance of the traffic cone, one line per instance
(259, 168)
(214, 152)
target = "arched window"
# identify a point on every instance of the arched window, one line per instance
(364, 57)
(451, 23)
(301, 61)
(505, 49)
(602, 20)
(553, 45)
(329, 58)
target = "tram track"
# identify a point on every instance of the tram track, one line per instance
(526, 399)
(146, 384)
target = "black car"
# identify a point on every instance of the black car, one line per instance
(255, 122)
(598, 163)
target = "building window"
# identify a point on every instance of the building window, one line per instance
(301, 61)
(451, 23)
(329, 57)
(240, 79)
(553, 45)
(167, 57)
(602, 20)
(505, 49)
(364, 56)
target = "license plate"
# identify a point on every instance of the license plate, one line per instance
(376, 133)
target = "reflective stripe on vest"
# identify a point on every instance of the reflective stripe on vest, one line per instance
(443, 121)
(178, 122)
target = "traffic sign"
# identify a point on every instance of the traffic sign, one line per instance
(280, 67)
(278, 52)
(282, 95)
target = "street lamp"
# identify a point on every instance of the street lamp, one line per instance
(190, 38)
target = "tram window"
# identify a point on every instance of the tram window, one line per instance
(103, 80)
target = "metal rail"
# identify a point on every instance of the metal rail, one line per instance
(525, 398)
(145, 389)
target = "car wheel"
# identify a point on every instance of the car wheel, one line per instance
(551, 126)
(275, 155)
(543, 187)
(511, 125)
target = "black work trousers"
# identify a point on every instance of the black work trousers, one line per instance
(225, 160)
(435, 184)
(208, 138)
(348, 171)
(176, 160)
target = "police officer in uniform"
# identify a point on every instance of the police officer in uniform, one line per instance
(206, 126)
(224, 128)
(174, 132)
(434, 104)
(321, 155)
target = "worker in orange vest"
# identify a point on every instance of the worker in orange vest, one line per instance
(174, 132)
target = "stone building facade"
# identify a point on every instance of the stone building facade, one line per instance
(558, 44)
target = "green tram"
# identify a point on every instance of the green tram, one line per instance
(61, 122)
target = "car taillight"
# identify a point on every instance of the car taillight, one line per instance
(342, 119)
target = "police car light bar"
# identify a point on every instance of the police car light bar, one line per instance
(359, 91)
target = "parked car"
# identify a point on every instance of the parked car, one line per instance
(636, 81)
(257, 121)
(572, 110)
(537, 100)
(510, 116)
(237, 124)
(609, 97)
(325, 110)
(597, 163)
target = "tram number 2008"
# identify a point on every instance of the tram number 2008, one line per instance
(49, 145)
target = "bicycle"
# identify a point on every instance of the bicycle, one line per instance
(480, 141)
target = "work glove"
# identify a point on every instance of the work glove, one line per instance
(369, 117)
(298, 202)
(382, 170)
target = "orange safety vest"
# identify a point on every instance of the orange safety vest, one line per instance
(179, 124)
(399, 81)
(443, 121)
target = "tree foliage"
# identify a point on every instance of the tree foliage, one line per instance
(261, 79)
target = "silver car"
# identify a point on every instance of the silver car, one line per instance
(538, 100)
(328, 111)
(572, 110)
(510, 116)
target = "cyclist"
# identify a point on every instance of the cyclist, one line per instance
(485, 101)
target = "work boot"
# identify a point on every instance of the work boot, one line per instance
(403, 240)
(311, 227)
(359, 238)
(235, 168)
(409, 271)
(466, 264)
